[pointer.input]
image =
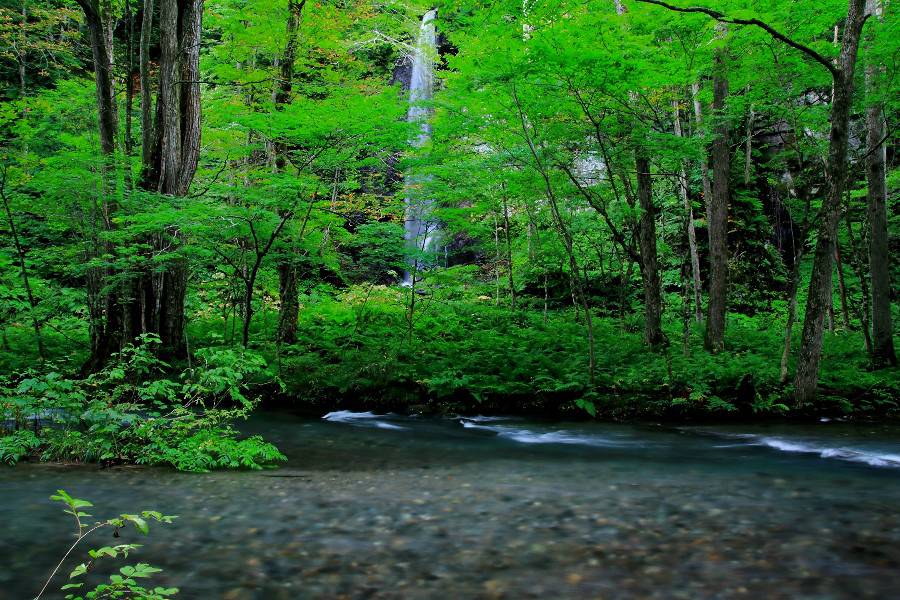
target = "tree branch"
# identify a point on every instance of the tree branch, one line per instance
(722, 18)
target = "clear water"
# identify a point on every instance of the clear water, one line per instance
(373, 506)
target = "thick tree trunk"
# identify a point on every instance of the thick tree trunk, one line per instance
(807, 376)
(171, 147)
(717, 217)
(289, 310)
(653, 334)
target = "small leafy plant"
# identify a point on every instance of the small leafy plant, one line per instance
(122, 584)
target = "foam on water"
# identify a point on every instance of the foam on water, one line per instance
(528, 436)
(821, 448)
(362, 419)
(875, 459)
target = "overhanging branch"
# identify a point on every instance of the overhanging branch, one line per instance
(723, 18)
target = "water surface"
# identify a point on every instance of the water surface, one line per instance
(375, 506)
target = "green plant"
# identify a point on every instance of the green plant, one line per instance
(130, 413)
(122, 584)
(17, 445)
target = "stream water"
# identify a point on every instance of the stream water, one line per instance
(395, 507)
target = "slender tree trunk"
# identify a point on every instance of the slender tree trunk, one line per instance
(748, 145)
(685, 313)
(509, 260)
(842, 288)
(497, 261)
(147, 135)
(105, 308)
(23, 270)
(717, 215)
(129, 86)
(704, 162)
(289, 310)
(793, 286)
(20, 54)
(807, 377)
(653, 334)
(857, 261)
(546, 296)
(691, 230)
(879, 252)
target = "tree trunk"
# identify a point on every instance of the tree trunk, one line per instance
(653, 334)
(691, 231)
(704, 163)
(717, 216)
(105, 310)
(20, 55)
(129, 87)
(842, 287)
(806, 379)
(879, 252)
(289, 310)
(509, 260)
(857, 255)
(147, 134)
(171, 153)
(23, 270)
(793, 285)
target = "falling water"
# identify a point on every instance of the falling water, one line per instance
(418, 227)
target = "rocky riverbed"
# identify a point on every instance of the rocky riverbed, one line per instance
(389, 507)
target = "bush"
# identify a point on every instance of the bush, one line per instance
(130, 413)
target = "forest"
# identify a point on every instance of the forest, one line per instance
(222, 213)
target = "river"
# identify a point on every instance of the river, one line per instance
(374, 506)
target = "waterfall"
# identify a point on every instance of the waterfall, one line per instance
(419, 229)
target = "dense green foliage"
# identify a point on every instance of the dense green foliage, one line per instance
(355, 349)
(561, 134)
(129, 412)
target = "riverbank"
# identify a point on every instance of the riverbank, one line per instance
(358, 351)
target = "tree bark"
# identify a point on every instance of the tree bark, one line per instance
(289, 310)
(691, 230)
(653, 334)
(171, 147)
(509, 260)
(879, 252)
(842, 287)
(704, 161)
(717, 216)
(147, 134)
(105, 309)
(793, 285)
(807, 376)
